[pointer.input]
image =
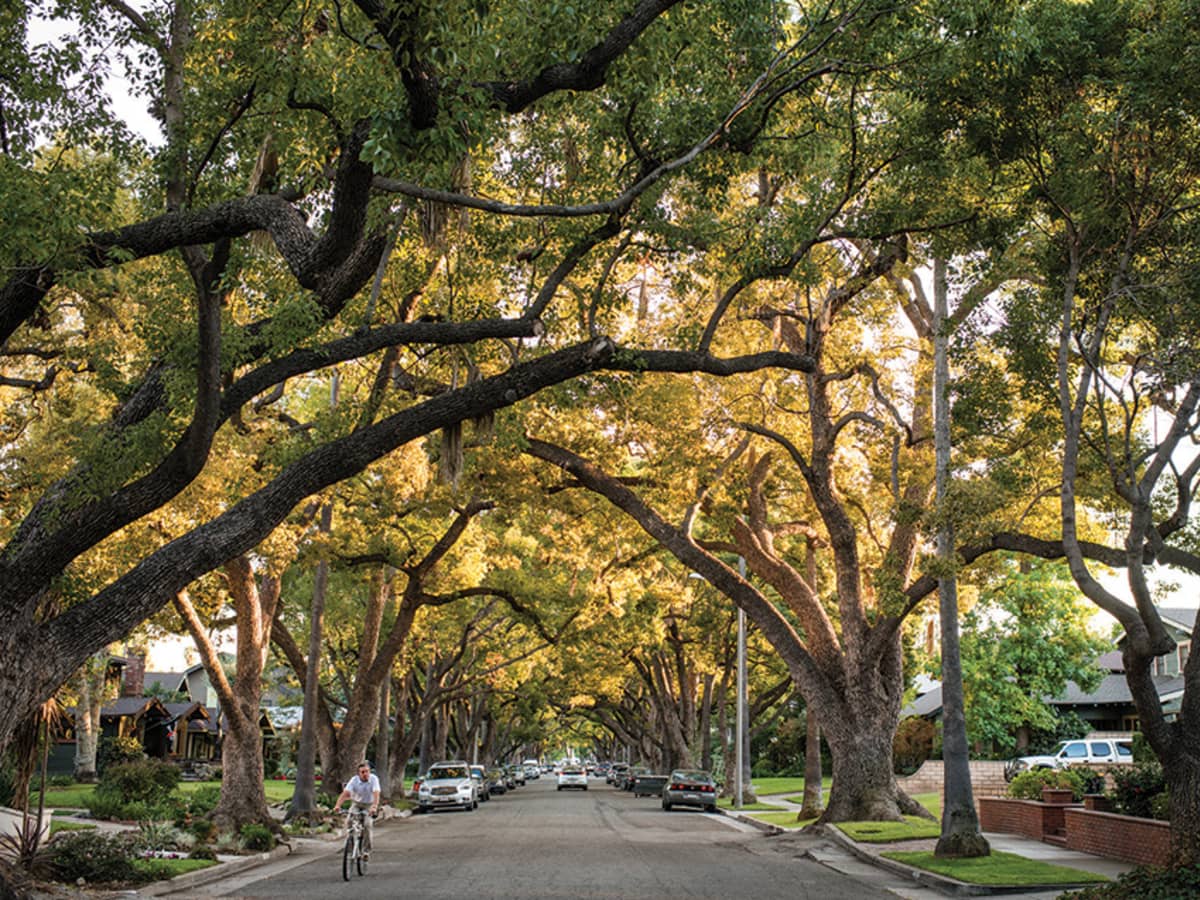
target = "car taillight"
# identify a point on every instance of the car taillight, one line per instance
(707, 788)
(675, 787)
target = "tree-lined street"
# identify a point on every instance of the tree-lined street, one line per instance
(540, 843)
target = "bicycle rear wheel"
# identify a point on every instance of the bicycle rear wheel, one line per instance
(347, 853)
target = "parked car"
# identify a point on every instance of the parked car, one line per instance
(630, 776)
(532, 773)
(481, 783)
(448, 785)
(648, 785)
(572, 777)
(1066, 753)
(496, 780)
(615, 772)
(518, 774)
(690, 787)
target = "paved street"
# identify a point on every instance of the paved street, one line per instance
(539, 843)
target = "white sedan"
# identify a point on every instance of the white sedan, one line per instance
(572, 777)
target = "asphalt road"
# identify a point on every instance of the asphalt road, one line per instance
(536, 843)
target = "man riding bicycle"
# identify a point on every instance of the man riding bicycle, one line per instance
(362, 790)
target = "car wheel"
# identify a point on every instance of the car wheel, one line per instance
(585, 787)
(711, 809)
(666, 806)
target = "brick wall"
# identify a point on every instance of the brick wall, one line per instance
(1027, 817)
(987, 778)
(1142, 841)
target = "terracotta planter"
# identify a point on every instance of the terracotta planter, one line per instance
(1058, 796)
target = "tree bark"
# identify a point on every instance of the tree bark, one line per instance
(813, 805)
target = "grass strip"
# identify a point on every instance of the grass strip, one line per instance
(911, 829)
(998, 868)
(159, 869)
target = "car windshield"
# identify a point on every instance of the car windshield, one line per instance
(690, 775)
(570, 770)
(449, 772)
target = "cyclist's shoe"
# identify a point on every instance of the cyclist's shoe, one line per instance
(366, 857)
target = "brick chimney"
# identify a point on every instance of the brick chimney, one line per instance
(134, 680)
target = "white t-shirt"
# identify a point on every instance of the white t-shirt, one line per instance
(363, 791)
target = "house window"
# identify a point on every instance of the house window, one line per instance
(1131, 723)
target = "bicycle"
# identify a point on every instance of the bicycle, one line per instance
(353, 856)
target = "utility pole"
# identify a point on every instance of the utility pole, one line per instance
(740, 727)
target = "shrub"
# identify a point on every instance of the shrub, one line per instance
(1028, 785)
(1136, 787)
(114, 751)
(145, 781)
(1160, 806)
(257, 837)
(203, 853)
(60, 781)
(1093, 781)
(203, 829)
(92, 856)
(105, 807)
(163, 836)
(1146, 883)
(203, 801)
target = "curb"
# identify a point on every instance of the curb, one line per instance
(940, 883)
(765, 827)
(212, 873)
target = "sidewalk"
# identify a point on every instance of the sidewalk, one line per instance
(863, 861)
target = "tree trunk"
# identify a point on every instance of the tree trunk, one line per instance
(1183, 784)
(243, 800)
(706, 758)
(383, 754)
(813, 799)
(87, 715)
(960, 835)
(304, 799)
(864, 787)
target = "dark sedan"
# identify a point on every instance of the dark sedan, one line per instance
(690, 787)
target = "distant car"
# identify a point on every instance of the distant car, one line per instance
(1067, 753)
(518, 774)
(572, 777)
(615, 772)
(690, 787)
(532, 773)
(448, 785)
(481, 783)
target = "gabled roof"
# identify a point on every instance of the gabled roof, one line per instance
(1181, 617)
(1113, 689)
(134, 706)
(187, 710)
(928, 704)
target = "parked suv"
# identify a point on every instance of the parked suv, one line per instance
(1088, 750)
(448, 785)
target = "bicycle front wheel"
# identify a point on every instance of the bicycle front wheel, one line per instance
(347, 854)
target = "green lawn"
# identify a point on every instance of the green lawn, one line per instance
(912, 828)
(168, 868)
(782, 818)
(999, 868)
(784, 785)
(75, 797)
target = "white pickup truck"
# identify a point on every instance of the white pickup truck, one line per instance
(1086, 750)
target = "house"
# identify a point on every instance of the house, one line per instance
(1110, 707)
